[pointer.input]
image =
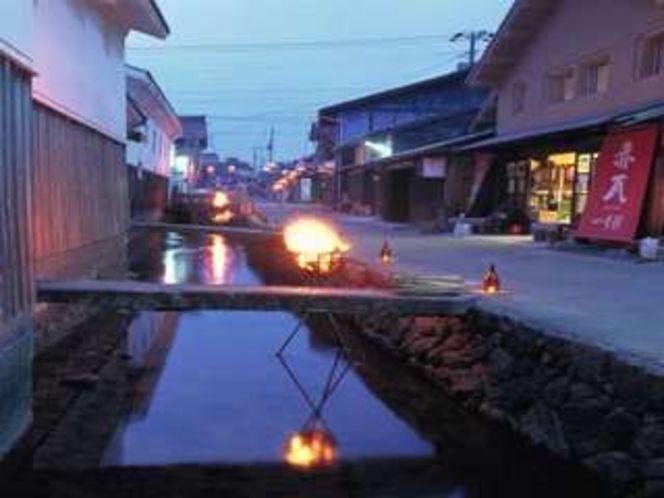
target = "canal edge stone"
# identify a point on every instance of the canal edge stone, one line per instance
(576, 400)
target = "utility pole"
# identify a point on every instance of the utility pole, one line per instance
(254, 162)
(270, 146)
(474, 38)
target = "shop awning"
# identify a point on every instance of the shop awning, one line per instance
(434, 148)
(630, 118)
(539, 132)
(642, 116)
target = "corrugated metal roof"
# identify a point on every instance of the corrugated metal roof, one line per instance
(394, 92)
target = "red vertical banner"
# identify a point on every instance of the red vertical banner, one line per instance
(619, 186)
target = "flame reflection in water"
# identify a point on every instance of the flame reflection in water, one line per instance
(218, 261)
(311, 449)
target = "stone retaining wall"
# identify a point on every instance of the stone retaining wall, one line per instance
(579, 402)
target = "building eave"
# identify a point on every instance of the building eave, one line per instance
(520, 26)
(149, 97)
(143, 16)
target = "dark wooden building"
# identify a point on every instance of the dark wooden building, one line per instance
(390, 149)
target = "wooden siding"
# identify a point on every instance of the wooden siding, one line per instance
(148, 194)
(80, 191)
(16, 289)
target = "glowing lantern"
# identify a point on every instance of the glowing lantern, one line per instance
(491, 281)
(210, 170)
(316, 245)
(311, 449)
(386, 255)
(220, 200)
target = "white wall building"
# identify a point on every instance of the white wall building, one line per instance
(80, 56)
(63, 175)
(152, 139)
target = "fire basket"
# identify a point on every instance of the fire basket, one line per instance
(317, 247)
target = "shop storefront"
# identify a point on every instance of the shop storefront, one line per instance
(552, 188)
(563, 183)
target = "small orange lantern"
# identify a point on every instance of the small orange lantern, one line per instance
(386, 255)
(491, 281)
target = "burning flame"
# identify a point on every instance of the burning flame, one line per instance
(220, 200)
(311, 449)
(223, 217)
(315, 243)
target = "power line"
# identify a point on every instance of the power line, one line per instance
(295, 45)
(298, 90)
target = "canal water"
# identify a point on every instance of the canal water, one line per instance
(209, 389)
(215, 391)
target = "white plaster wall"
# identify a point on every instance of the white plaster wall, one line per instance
(154, 154)
(576, 31)
(17, 30)
(79, 58)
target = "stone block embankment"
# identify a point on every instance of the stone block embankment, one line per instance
(578, 401)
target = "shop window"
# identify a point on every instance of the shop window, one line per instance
(348, 156)
(594, 78)
(518, 97)
(652, 56)
(552, 188)
(517, 181)
(560, 86)
(584, 172)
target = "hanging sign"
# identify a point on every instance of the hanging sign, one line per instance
(433, 167)
(619, 186)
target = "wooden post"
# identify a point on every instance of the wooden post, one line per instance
(654, 218)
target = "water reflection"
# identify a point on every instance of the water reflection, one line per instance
(315, 445)
(209, 389)
(218, 261)
(207, 259)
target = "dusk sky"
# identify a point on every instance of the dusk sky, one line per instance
(250, 65)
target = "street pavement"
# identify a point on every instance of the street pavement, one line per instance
(613, 302)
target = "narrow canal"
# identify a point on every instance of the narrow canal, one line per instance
(208, 390)
(215, 392)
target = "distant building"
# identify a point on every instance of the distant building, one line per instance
(189, 147)
(391, 148)
(573, 79)
(210, 169)
(152, 127)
